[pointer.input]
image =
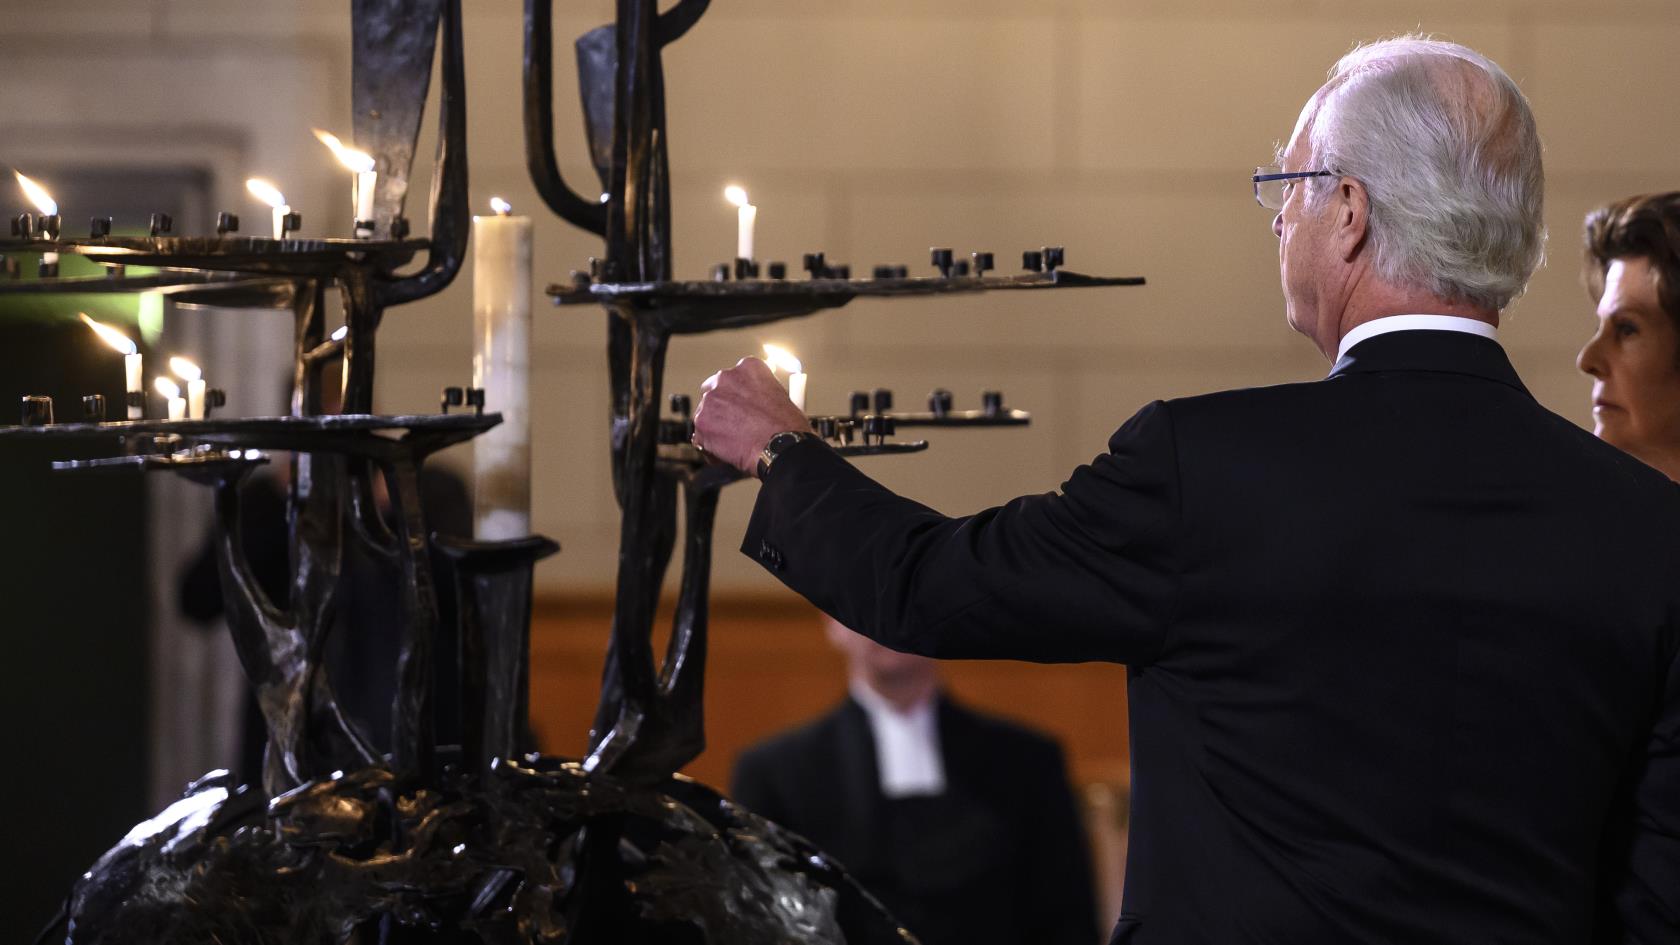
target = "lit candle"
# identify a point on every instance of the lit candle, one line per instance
(501, 368)
(746, 217)
(136, 387)
(269, 194)
(172, 393)
(363, 187)
(189, 372)
(43, 202)
(781, 359)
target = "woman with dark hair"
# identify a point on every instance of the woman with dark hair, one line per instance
(1633, 271)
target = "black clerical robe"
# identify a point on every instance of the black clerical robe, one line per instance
(998, 857)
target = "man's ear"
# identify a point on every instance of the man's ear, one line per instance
(1353, 218)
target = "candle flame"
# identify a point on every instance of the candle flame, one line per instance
(359, 161)
(37, 195)
(502, 207)
(167, 387)
(341, 332)
(184, 369)
(781, 359)
(110, 336)
(266, 192)
(736, 194)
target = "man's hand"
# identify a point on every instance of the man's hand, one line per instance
(740, 410)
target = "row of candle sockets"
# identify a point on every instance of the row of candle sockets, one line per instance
(868, 412)
(1046, 259)
(38, 408)
(363, 186)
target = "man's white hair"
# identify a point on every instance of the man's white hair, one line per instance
(1447, 149)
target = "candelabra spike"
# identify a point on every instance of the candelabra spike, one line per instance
(681, 405)
(399, 228)
(1032, 261)
(1053, 256)
(959, 268)
(991, 402)
(23, 225)
(746, 269)
(475, 400)
(37, 410)
(778, 270)
(815, 265)
(162, 224)
(939, 402)
(941, 260)
(982, 262)
(859, 403)
(48, 268)
(720, 272)
(452, 397)
(883, 400)
(93, 408)
(99, 227)
(290, 223)
(227, 223)
(48, 225)
(213, 398)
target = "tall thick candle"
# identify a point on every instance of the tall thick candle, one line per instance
(501, 367)
(746, 220)
(132, 373)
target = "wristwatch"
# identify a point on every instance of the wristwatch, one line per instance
(779, 444)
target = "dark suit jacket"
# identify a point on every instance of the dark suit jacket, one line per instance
(999, 857)
(1402, 647)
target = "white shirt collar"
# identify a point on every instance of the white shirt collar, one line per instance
(907, 751)
(1388, 323)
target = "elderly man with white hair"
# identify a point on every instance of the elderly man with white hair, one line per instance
(1403, 647)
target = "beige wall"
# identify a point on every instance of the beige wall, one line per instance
(874, 128)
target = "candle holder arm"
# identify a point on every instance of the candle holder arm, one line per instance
(673, 23)
(450, 212)
(540, 159)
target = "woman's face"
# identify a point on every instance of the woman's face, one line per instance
(1634, 359)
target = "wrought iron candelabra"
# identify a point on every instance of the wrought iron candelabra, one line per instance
(488, 839)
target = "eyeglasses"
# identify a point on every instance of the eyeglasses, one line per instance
(1272, 185)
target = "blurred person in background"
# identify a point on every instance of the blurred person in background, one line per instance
(962, 824)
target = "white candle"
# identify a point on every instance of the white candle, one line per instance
(746, 218)
(189, 372)
(133, 379)
(172, 393)
(796, 389)
(362, 186)
(501, 368)
(781, 359)
(135, 376)
(269, 194)
(367, 183)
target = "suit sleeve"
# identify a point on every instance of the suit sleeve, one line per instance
(1647, 892)
(1087, 573)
